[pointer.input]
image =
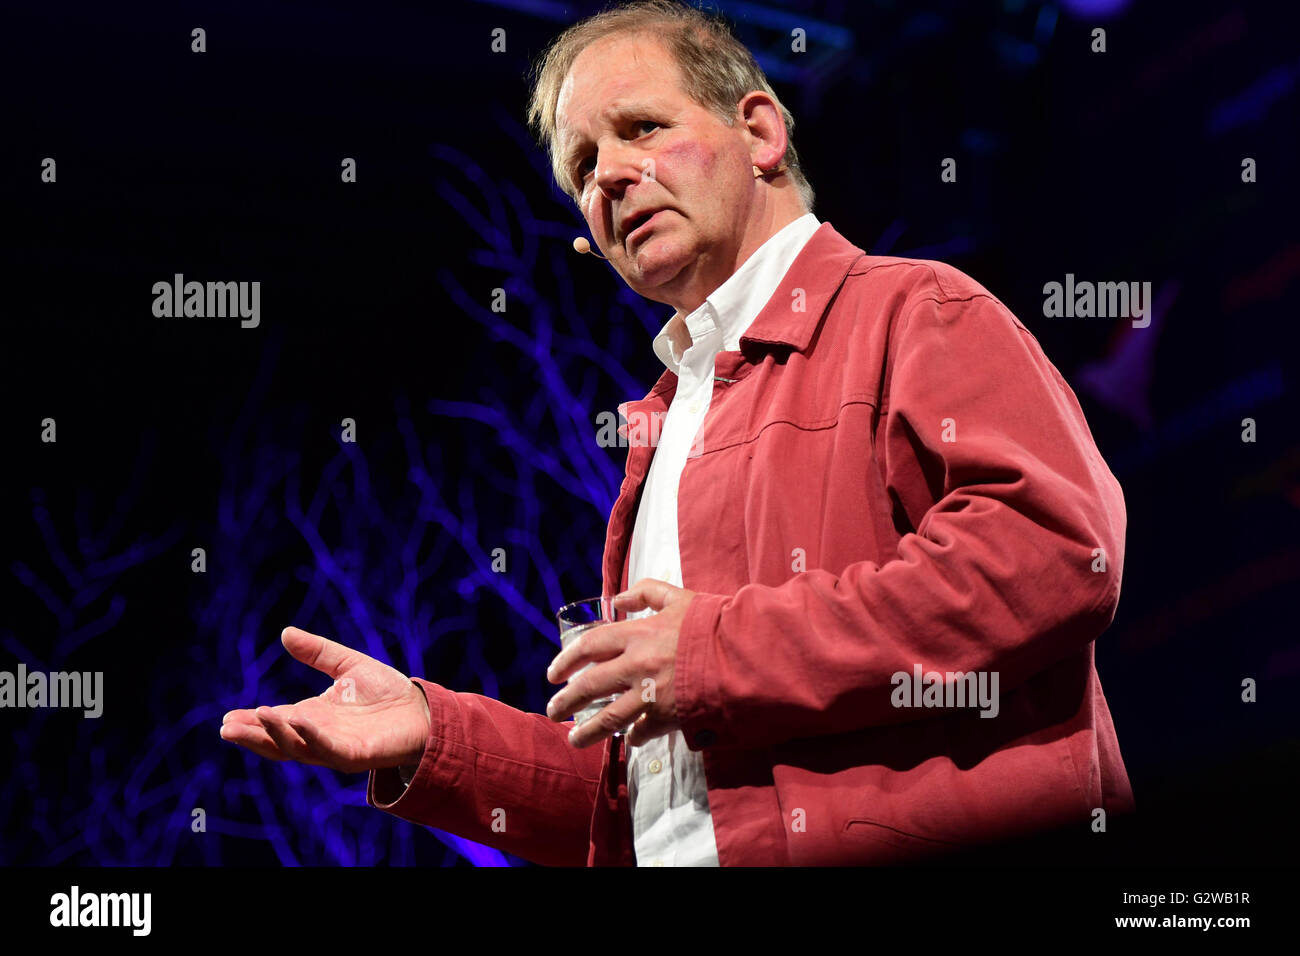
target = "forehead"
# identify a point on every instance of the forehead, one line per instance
(615, 73)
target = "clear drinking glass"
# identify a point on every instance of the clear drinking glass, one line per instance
(578, 618)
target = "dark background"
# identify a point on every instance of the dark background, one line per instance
(476, 430)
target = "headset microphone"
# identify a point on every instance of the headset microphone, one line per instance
(581, 244)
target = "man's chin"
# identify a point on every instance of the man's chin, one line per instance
(654, 268)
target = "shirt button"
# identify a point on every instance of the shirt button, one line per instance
(705, 738)
(657, 863)
(693, 408)
(656, 765)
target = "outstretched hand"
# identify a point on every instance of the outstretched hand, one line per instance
(373, 716)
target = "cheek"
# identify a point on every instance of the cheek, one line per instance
(596, 212)
(690, 161)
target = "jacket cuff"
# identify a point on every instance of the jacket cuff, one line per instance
(701, 708)
(385, 790)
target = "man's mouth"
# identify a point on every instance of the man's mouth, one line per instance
(635, 225)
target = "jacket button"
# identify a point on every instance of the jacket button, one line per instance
(705, 738)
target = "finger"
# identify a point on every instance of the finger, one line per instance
(242, 718)
(646, 593)
(600, 680)
(244, 728)
(647, 729)
(318, 745)
(327, 656)
(612, 717)
(286, 738)
(598, 644)
(255, 739)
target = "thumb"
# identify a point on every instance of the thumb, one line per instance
(646, 593)
(329, 657)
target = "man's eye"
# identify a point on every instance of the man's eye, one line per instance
(588, 163)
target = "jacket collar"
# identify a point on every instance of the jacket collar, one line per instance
(788, 320)
(791, 317)
(732, 306)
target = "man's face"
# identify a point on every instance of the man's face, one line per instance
(665, 185)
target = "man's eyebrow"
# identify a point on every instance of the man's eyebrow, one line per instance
(615, 112)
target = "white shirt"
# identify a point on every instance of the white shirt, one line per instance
(669, 798)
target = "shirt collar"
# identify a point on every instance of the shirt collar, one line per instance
(732, 307)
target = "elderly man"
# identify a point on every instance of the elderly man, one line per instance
(869, 550)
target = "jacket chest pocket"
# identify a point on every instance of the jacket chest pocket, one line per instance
(788, 497)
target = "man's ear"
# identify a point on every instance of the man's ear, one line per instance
(766, 127)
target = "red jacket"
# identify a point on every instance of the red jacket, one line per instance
(896, 477)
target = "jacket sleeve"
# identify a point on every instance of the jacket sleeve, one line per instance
(498, 776)
(984, 446)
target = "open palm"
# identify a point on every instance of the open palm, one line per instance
(373, 716)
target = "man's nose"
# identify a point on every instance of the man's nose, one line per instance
(619, 166)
